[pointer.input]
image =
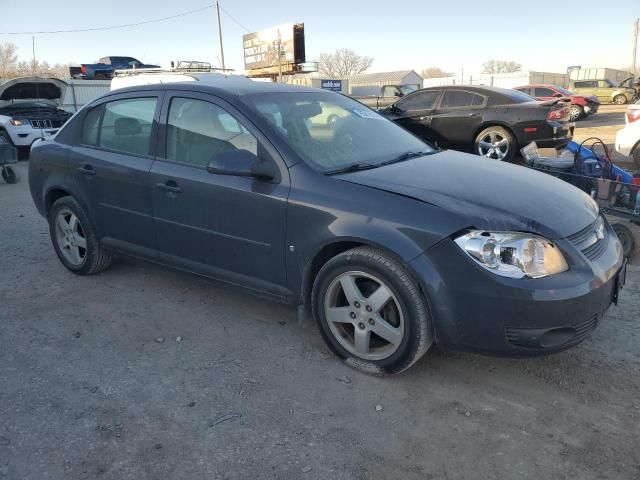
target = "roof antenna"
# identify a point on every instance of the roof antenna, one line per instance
(34, 65)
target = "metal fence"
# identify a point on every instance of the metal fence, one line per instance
(81, 92)
(504, 80)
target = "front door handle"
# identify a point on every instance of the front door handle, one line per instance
(169, 187)
(87, 170)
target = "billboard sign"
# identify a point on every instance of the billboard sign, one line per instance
(333, 85)
(261, 48)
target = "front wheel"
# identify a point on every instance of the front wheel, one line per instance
(626, 238)
(370, 312)
(74, 238)
(576, 112)
(619, 99)
(9, 175)
(496, 143)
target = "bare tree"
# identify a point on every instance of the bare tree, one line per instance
(501, 66)
(59, 70)
(8, 59)
(435, 72)
(344, 62)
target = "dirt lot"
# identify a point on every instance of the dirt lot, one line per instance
(604, 125)
(146, 373)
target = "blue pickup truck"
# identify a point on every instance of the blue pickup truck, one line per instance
(103, 70)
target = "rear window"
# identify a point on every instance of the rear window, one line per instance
(513, 96)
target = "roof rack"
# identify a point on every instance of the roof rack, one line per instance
(180, 67)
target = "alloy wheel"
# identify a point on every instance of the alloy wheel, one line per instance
(364, 315)
(70, 237)
(493, 145)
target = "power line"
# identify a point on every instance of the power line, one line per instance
(113, 27)
(234, 20)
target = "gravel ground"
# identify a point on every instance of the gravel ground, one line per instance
(147, 373)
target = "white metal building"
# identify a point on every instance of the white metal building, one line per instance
(370, 83)
(616, 76)
(81, 92)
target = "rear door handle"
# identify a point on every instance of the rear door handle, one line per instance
(170, 187)
(87, 170)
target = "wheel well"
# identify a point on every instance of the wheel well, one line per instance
(52, 196)
(320, 258)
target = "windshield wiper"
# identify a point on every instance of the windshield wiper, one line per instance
(353, 168)
(405, 156)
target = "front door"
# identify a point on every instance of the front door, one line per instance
(111, 166)
(414, 112)
(229, 227)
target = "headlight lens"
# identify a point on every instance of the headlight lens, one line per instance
(16, 123)
(513, 254)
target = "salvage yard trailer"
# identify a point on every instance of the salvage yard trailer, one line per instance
(502, 80)
(615, 76)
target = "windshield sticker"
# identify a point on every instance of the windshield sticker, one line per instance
(367, 114)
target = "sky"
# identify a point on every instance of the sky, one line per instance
(542, 35)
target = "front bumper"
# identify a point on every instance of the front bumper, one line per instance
(24, 136)
(591, 108)
(476, 310)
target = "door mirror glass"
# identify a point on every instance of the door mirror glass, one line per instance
(557, 95)
(241, 163)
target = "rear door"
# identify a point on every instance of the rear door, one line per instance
(111, 166)
(458, 117)
(414, 112)
(228, 227)
(586, 87)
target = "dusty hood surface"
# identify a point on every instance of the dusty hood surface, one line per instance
(30, 89)
(493, 195)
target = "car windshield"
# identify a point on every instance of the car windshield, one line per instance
(407, 89)
(331, 132)
(516, 96)
(564, 91)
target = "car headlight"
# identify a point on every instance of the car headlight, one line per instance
(16, 123)
(513, 254)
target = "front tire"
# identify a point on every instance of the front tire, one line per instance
(74, 238)
(371, 312)
(9, 175)
(496, 143)
(626, 238)
(619, 99)
(576, 112)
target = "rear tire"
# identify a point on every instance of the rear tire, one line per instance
(626, 238)
(496, 143)
(74, 238)
(9, 175)
(619, 99)
(576, 112)
(100, 76)
(370, 311)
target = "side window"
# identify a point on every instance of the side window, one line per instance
(588, 84)
(543, 92)
(603, 84)
(198, 130)
(126, 125)
(90, 127)
(420, 100)
(524, 90)
(460, 98)
(390, 91)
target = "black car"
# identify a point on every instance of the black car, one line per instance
(391, 244)
(492, 122)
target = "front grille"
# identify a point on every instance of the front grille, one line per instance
(41, 123)
(591, 240)
(586, 328)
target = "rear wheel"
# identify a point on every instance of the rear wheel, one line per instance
(100, 76)
(74, 238)
(370, 311)
(619, 99)
(496, 143)
(626, 238)
(9, 175)
(576, 112)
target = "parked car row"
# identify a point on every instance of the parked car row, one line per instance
(389, 243)
(581, 105)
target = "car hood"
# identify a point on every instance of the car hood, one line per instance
(31, 89)
(492, 195)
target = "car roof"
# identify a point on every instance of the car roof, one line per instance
(221, 85)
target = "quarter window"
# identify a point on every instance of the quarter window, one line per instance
(197, 131)
(126, 125)
(90, 127)
(543, 92)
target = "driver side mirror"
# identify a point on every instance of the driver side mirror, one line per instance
(242, 163)
(558, 95)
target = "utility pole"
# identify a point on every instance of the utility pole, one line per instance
(220, 34)
(279, 57)
(635, 46)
